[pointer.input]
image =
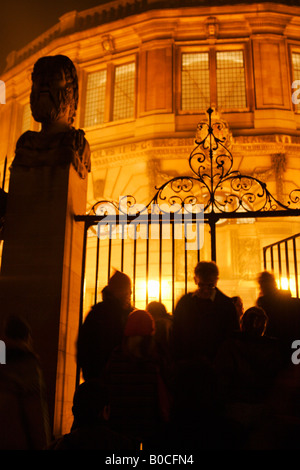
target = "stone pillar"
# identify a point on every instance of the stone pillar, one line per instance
(41, 272)
(42, 251)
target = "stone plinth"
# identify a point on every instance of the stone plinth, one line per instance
(41, 272)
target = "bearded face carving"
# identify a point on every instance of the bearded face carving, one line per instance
(54, 93)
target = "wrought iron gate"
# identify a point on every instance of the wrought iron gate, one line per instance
(185, 204)
(158, 253)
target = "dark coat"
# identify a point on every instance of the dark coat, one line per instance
(100, 333)
(94, 437)
(200, 326)
(247, 367)
(283, 313)
(138, 396)
(23, 407)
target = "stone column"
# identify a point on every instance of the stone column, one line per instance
(42, 250)
(41, 272)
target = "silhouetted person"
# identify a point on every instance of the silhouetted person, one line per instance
(203, 319)
(163, 326)
(282, 310)
(197, 420)
(103, 327)
(247, 365)
(138, 396)
(163, 322)
(91, 430)
(238, 303)
(23, 408)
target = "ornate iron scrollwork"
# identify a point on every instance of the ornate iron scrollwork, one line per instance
(214, 185)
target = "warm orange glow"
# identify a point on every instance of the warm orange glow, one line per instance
(285, 283)
(153, 292)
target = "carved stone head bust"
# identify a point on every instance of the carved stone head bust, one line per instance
(54, 92)
(54, 100)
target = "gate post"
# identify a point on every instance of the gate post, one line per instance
(41, 273)
(42, 250)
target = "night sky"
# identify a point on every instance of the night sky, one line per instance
(21, 21)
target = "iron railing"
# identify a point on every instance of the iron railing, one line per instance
(282, 259)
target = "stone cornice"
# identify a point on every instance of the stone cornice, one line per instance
(107, 12)
(268, 22)
(180, 148)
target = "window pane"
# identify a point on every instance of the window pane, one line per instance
(296, 73)
(95, 98)
(231, 89)
(195, 89)
(124, 88)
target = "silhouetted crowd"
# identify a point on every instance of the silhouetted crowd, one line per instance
(209, 377)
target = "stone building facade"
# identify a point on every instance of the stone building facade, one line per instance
(148, 71)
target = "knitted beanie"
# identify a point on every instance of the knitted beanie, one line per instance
(119, 282)
(139, 323)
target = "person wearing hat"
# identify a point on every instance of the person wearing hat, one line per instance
(138, 395)
(139, 331)
(104, 325)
